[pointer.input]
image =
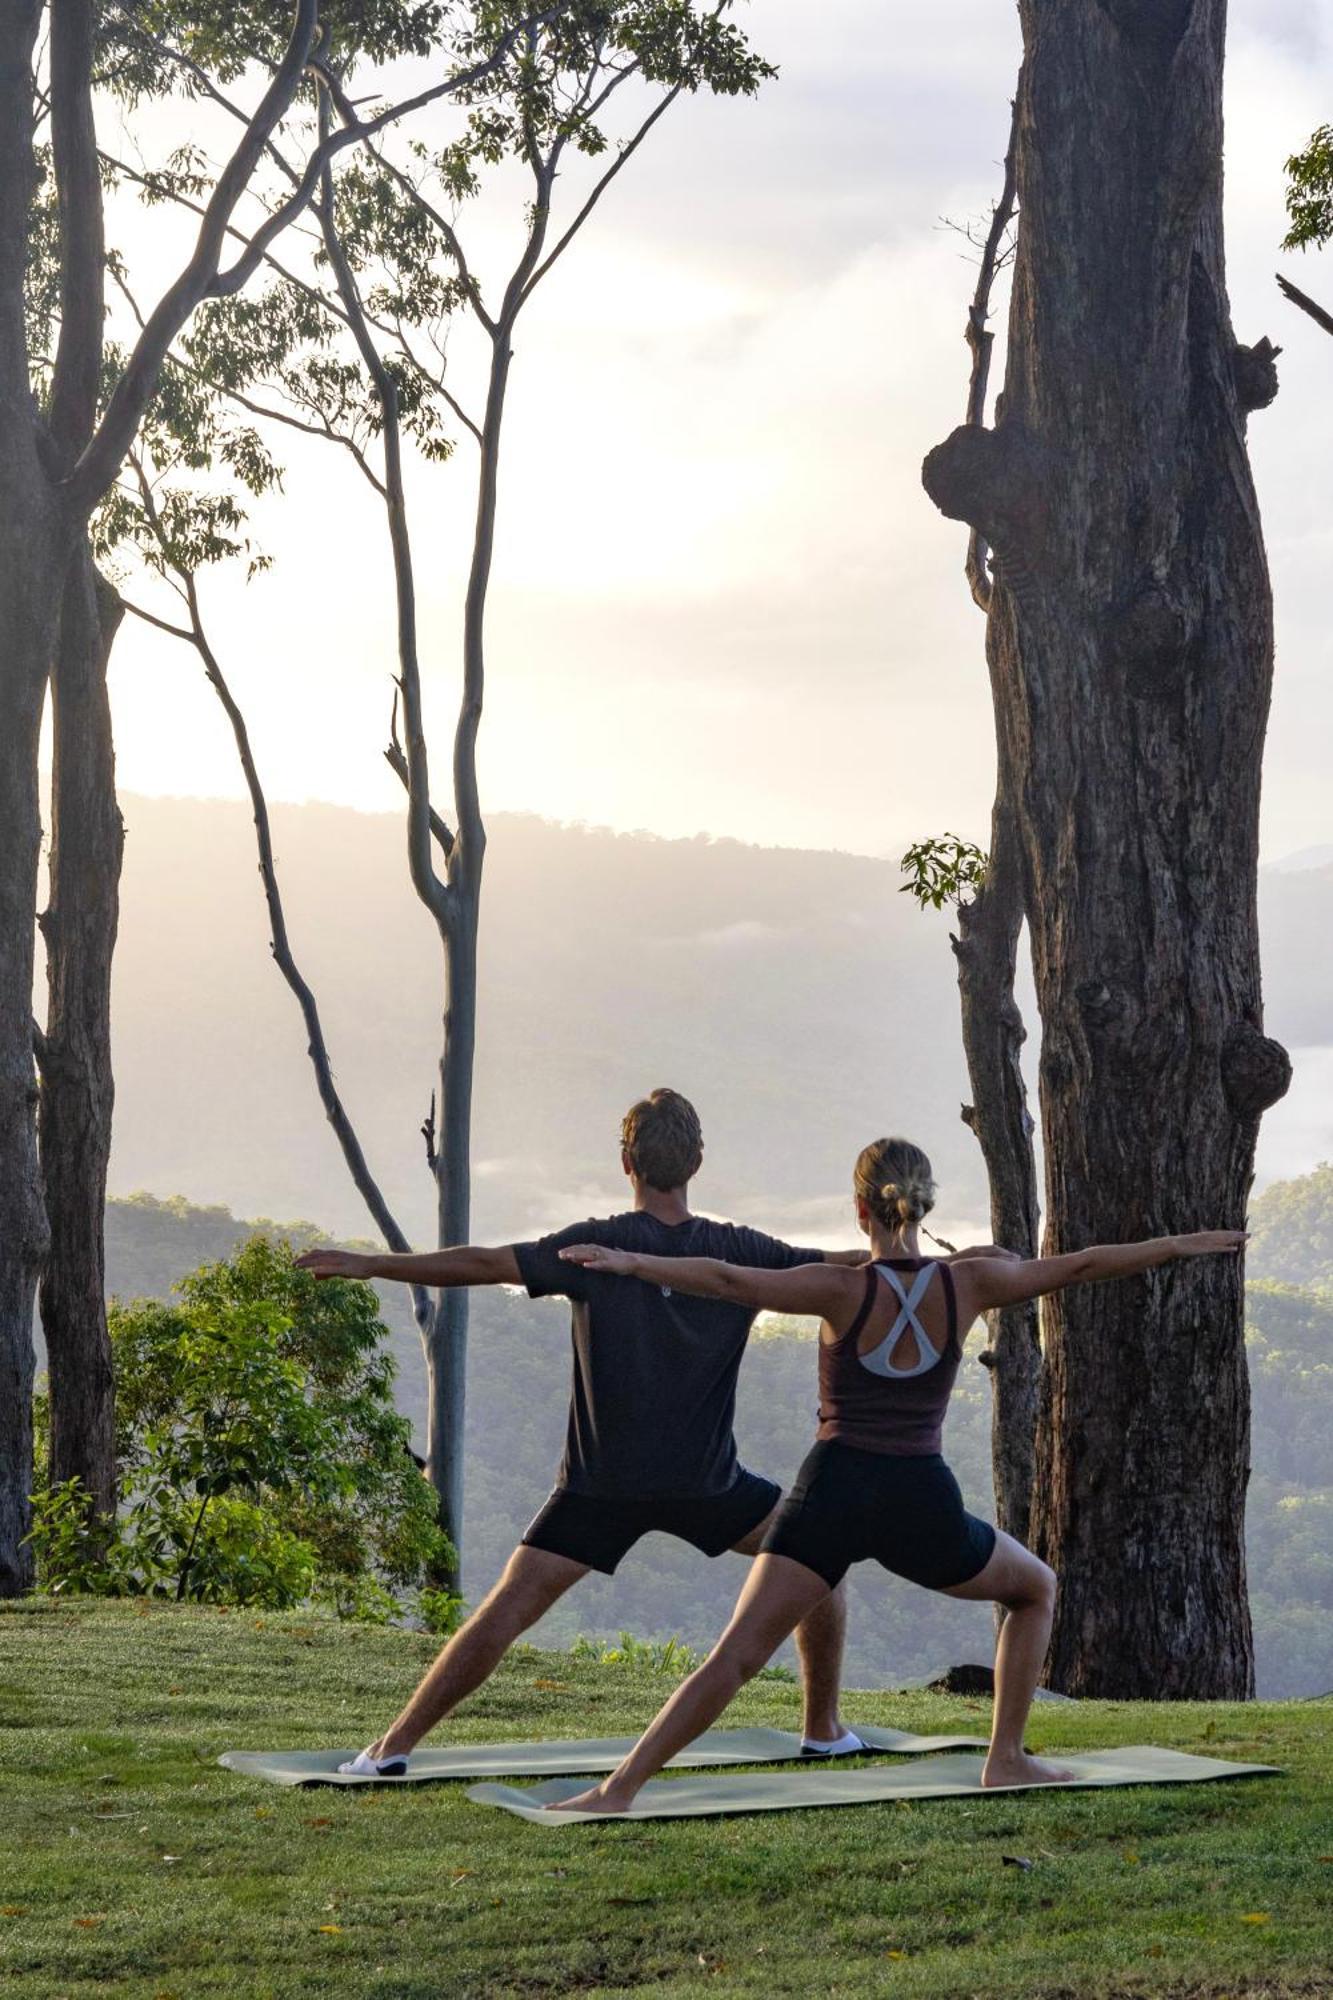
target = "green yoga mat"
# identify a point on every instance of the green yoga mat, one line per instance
(575, 1757)
(782, 1791)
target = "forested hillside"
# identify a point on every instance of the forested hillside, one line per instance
(516, 1413)
(798, 997)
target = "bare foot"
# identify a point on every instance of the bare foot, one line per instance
(597, 1800)
(1021, 1769)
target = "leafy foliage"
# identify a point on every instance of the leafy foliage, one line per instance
(1310, 193)
(942, 870)
(262, 1461)
(1291, 1230)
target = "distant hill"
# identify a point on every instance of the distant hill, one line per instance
(800, 999)
(518, 1374)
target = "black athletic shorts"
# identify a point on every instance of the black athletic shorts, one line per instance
(600, 1531)
(849, 1506)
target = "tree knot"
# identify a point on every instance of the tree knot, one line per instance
(1256, 1070)
(1254, 370)
(1148, 638)
(996, 482)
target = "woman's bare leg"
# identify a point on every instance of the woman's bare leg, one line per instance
(821, 1638)
(778, 1594)
(1018, 1580)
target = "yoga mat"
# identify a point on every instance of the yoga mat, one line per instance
(574, 1757)
(781, 1791)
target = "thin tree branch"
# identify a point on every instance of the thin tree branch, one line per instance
(626, 153)
(324, 429)
(980, 340)
(397, 763)
(433, 892)
(162, 624)
(1305, 302)
(347, 112)
(113, 437)
(279, 941)
(224, 283)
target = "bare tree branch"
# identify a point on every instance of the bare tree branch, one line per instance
(1305, 302)
(279, 941)
(980, 340)
(397, 763)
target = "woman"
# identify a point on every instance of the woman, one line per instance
(874, 1487)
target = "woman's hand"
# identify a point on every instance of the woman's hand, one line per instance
(600, 1257)
(1211, 1243)
(333, 1263)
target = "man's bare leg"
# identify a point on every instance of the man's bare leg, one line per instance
(533, 1581)
(821, 1638)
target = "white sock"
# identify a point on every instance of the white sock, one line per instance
(363, 1765)
(845, 1745)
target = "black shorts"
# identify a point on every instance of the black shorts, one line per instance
(600, 1531)
(849, 1506)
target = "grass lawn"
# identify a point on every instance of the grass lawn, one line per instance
(131, 1864)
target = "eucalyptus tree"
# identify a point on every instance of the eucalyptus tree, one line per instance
(70, 409)
(1129, 639)
(358, 351)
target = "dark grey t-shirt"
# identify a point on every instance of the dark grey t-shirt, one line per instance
(654, 1395)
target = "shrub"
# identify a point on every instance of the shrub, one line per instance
(261, 1459)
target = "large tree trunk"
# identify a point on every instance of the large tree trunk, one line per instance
(986, 949)
(78, 1093)
(1130, 642)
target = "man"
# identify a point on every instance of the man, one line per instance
(649, 1444)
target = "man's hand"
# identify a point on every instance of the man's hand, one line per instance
(334, 1264)
(984, 1250)
(600, 1257)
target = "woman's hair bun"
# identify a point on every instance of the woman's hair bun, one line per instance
(894, 1179)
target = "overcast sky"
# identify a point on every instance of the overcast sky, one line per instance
(722, 601)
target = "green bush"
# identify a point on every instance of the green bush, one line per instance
(261, 1459)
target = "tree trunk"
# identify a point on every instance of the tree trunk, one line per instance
(447, 1345)
(31, 567)
(78, 1091)
(1130, 644)
(986, 949)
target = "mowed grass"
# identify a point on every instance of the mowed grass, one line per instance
(131, 1864)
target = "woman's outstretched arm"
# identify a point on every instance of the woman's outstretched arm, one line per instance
(825, 1289)
(984, 1282)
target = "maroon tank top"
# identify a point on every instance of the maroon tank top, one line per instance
(863, 1399)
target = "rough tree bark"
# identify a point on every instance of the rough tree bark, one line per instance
(32, 549)
(1130, 645)
(77, 1088)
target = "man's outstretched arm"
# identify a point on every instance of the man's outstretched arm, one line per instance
(469, 1264)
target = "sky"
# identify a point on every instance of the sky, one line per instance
(721, 600)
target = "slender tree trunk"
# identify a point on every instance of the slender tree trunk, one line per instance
(986, 949)
(31, 566)
(453, 1181)
(78, 1091)
(1130, 643)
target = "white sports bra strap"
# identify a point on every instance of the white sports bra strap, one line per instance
(879, 1360)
